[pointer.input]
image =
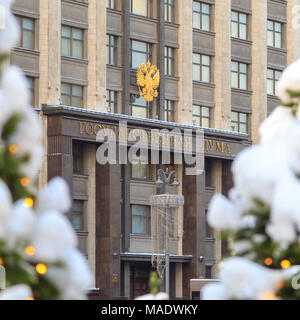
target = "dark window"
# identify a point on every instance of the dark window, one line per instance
(141, 220)
(111, 101)
(169, 111)
(201, 16)
(201, 116)
(239, 75)
(274, 34)
(72, 95)
(71, 42)
(31, 86)
(169, 61)
(169, 11)
(26, 32)
(201, 67)
(239, 25)
(208, 229)
(273, 77)
(78, 158)
(208, 272)
(239, 122)
(140, 53)
(78, 215)
(111, 49)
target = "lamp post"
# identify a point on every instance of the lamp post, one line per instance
(164, 180)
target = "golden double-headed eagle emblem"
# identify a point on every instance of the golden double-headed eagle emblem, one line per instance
(148, 79)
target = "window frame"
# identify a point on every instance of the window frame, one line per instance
(169, 11)
(132, 104)
(200, 115)
(169, 61)
(81, 215)
(71, 93)
(111, 104)
(273, 79)
(149, 9)
(111, 4)
(71, 39)
(111, 45)
(239, 122)
(20, 23)
(274, 32)
(146, 218)
(169, 110)
(239, 73)
(147, 53)
(239, 23)
(201, 13)
(201, 65)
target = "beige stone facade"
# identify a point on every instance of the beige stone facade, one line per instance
(113, 82)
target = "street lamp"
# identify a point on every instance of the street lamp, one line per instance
(164, 180)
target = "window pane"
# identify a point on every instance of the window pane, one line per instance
(205, 8)
(234, 66)
(205, 23)
(243, 18)
(243, 117)
(243, 68)
(243, 81)
(196, 110)
(205, 74)
(66, 88)
(234, 80)
(234, 116)
(66, 100)
(234, 30)
(196, 6)
(278, 27)
(206, 60)
(277, 75)
(196, 72)
(140, 170)
(270, 85)
(270, 25)
(76, 102)
(27, 24)
(139, 112)
(77, 49)
(270, 39)
(139, 46)
(270, 74)
(234, 16)
(243, 128)
(243, 32)
(277, 40)
(205, 111)
(196, 21)
(139, 7)
(27, 39)
(77, 34)
(196, 58)
(77, 91)
(65, 47)
(205, 123)
(140, 215)
(66, 31)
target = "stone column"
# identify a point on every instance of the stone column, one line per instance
(217, 183)
(96, 90)
(293, 30)
(259, 66)
(222, 65)
(185, 61)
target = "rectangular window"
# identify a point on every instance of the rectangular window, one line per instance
(201, 16)
(139, 107)
(78, 158)
(30, 82)
(111, 101)
(140, 53)
(26, 32)
(208, 272)
(169, 11)
(274, 34)
(239, 75)
(141, 220)
(169, 111)
(110, 4)
(141, 7)
(201, 116)
(71, 42)
(239, 122)
(140, 170)
(239, 25)
(273, 77)
(209, 234)
(111, 49)
(169, 61)
(201, 67)
(78, 215)
(72, 95)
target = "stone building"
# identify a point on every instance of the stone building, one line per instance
(219, 64)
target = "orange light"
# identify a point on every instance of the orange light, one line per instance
(285, 264)
(1, 262)
(268, 296)
(268, 261)
(41, 268)
(24, 182)
(30, 298)
(13, 149)
(279, 285)
(30, 250)
(28, 203)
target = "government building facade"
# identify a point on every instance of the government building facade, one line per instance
(219, 64)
